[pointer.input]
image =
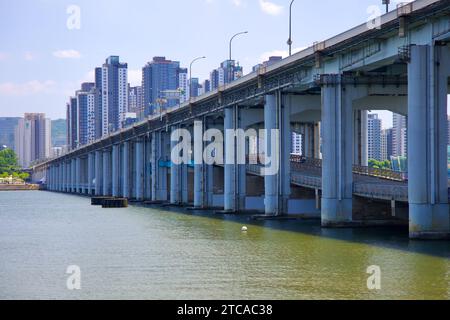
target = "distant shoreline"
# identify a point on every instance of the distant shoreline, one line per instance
(19, 187)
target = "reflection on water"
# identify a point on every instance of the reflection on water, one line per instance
(147, 253)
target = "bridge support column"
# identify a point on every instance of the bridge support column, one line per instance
(148, 169)
(115, 169)
(361, 151)
(126, 173)
(98, 173)
(159, 170)
(175, 169)
(78, 175)
(66, 177)
(106, 172)
(90, 169)
(199, 165)
(278, 140)
(48, 178)
(73, 180)
(428, 73)
(203, 172)
(337, 143)
(139, 169)
(63, 176)
(317, 136)
(231, 186)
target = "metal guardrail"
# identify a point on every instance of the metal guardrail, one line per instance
(309, 164)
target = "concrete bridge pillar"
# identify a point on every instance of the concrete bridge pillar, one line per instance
(98, 173)
(90, 173)
(175, 170)
(73, 180)
(78, 175)
(61, 172)
(317, 139)
(199, 165)
(361, 151)
(234, 173)
(66, 176)
(278, 141)
(115, 170)
(428, 73)
(139, 169)
(126, 173)
(148, 169)
(337, 144)
(203, 172)
(63, 176)
(159, 168)
(309, 140)
(107, 172)
(49, 178)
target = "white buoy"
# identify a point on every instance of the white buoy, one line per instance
(244, 229)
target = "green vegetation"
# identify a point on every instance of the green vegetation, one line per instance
(9, 167)
(386, 164)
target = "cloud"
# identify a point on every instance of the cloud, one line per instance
(270, 8)
(283, 53)
(29, 56)
(3, 56)
(237, 3)
(67, 54)
(27, 88)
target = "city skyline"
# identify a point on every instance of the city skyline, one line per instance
(48, 72)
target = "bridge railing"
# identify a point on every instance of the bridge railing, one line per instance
(308, 164)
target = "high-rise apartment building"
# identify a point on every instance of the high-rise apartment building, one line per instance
(7, 131)
(86, 99)
(135, 101)
(296, 143)
(114, 91)
(228, 71)
(386, 144)
(399, 135)
(33, 138)
(183, 84)
(158, 77)
(374, 137)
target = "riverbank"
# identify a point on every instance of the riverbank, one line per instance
(19, 187)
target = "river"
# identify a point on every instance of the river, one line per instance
(152, 253)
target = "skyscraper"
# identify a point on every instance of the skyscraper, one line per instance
(135, 101)
(85, 106)
(158, 76)
(228, 71)
(183, 85)
(33, 138)
(265, 64)
(399, 136)
(7, 131)
(72, 123)
(296, 143)
(386, 144)
(114, 93)
(374, 136)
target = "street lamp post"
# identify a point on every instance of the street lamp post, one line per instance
(230, 56)
(387, 2)
(289, 42)
(190, 75)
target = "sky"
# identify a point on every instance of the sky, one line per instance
(46, 52)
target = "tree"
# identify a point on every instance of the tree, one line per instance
(386, 164)
(8, 161)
